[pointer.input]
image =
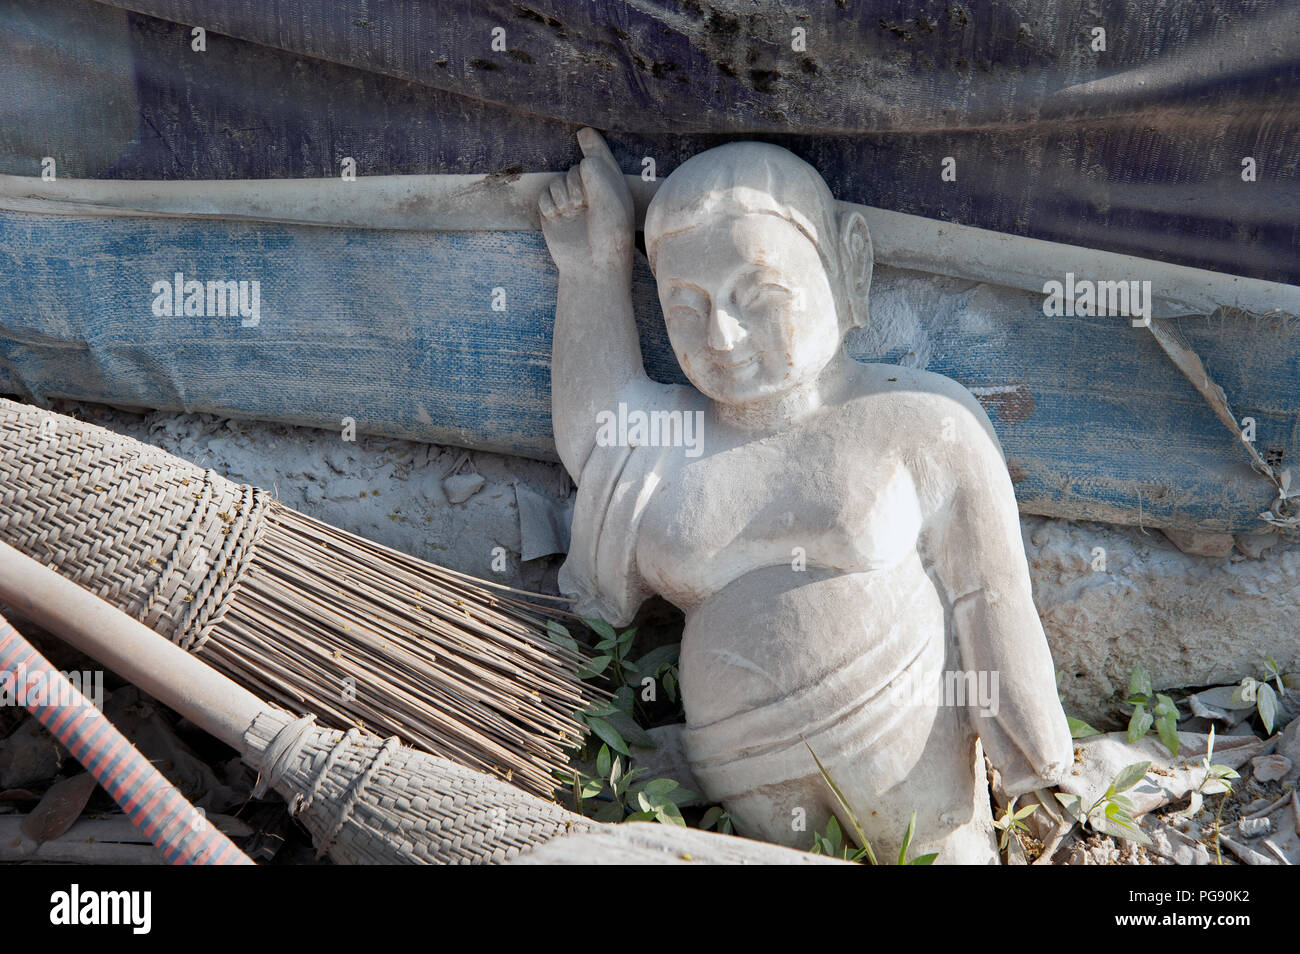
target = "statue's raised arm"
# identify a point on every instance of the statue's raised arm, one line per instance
(588, 222)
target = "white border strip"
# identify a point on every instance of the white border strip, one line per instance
(508, 202)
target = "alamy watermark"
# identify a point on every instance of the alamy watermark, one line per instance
(961, 688)
(637, 428)
(1087, 299)
(44, 687)
(212, 299)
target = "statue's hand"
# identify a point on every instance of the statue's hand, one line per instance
(587, 216)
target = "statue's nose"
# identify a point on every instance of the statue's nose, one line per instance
(724, 330)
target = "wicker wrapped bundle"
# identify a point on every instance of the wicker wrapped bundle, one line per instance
(313, 618)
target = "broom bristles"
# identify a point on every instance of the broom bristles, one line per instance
(304, 614)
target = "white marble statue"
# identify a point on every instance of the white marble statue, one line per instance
(842, 537)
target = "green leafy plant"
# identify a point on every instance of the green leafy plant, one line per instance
(1080, 729)
(717, 818)
(1112, 814)
(623, 795)
(617, 792)
(832, 842)
(1267, 700)
(1012, 821)
(1151, 708)
(1217, 779)
(611, 658)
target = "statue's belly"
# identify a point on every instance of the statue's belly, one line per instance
(779, 654)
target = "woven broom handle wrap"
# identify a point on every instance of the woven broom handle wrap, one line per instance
(163, 540)
(370, 801)
(152, 803)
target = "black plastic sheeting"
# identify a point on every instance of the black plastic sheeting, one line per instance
(1137, 148)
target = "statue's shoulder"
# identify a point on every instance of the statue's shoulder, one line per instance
(922, 403)
(928, 395)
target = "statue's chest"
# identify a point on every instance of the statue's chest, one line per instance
(799, 498)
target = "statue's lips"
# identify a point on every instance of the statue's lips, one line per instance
(730, 366)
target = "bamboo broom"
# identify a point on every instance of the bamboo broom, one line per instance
(364, 799)
(316, 619)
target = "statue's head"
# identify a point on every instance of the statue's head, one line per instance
(760, 278)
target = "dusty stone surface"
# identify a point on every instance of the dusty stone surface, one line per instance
(1190, 620)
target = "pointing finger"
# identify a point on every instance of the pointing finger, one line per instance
(594, 147)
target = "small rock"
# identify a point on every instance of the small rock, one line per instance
(1201, 544)
(1255, 827)
(460, 487)
(1254, 544)
(1218, 704)
(1270, 768)
(30, 755)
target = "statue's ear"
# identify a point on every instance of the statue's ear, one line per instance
(856, 259)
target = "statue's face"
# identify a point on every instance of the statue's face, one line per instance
(749, 306)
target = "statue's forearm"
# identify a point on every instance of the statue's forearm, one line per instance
(998, 630)
(596, 352)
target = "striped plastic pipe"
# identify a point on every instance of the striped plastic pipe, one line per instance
(151, 802)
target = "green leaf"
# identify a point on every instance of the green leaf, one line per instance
(660, 787)
(657, 658)
(632, 733)
(1167, 729)
(848, 809)
(592, 788)
(603, 761)
(1072, 804)
(1129, 776)
(1120, 826)
(608, 734)
(625, 638)
(670, 685)
(558, 634)
(907, 839)
(1139, 724)
(1139, 682)
(668, 814)
(1080, 729)
(1266, 701)
(594, 667)
(625, 700)
(1025, 812)
(924, 859)
(601, 628)
(1165, 707)
(711, 817)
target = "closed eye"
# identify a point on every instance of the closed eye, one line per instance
(766, 290)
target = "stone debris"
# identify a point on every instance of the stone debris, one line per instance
(1098, 760)
(1270, 768)
(460, 487)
